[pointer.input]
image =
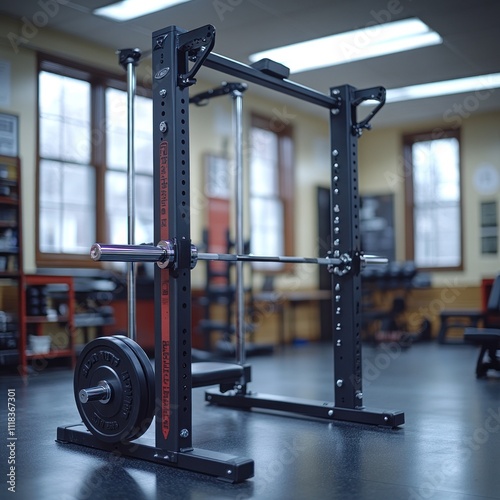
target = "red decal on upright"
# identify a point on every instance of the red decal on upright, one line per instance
(165, 296)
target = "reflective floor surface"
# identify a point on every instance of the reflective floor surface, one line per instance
(448, 448)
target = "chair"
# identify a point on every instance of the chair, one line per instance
(487, 338)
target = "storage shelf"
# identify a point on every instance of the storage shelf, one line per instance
(62, 287)
(7, 200)
(44, 319)
(10, 251)
(55, 353)
(8, 224)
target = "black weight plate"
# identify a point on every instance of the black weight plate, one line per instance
(149, 395)
(110, 359)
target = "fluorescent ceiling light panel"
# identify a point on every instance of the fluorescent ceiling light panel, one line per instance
(130, 9)
(459, 86)
(372, 41)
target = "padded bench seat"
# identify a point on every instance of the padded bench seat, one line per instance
(489, 340)
(207, 373)
(457, 319)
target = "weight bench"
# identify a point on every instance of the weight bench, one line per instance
(227, 375)
(487, 338)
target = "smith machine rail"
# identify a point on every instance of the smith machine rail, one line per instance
(114, 386)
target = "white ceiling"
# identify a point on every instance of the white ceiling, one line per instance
(469, 28)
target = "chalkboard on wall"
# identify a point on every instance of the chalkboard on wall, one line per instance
(377, 225)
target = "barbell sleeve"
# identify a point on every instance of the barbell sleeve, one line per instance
(129, 253)
(101, 392)
(369, 260)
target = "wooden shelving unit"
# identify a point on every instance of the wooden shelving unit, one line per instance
(10, 257)
(60, 315)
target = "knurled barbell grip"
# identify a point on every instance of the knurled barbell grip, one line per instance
(266, 258)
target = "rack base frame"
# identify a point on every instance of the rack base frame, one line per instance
(224, 466)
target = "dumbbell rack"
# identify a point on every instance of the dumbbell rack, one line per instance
(177, 56)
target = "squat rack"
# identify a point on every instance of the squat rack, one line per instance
(177, 57)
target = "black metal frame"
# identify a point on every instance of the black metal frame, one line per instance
(177, 56)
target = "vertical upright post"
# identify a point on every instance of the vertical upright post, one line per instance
(240, 287)
(345, 234)
(172, 222)
(129, 59)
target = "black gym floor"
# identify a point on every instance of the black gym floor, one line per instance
(449, 447)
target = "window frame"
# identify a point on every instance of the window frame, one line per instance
(99, 81)
(408, 141)
(286, 181)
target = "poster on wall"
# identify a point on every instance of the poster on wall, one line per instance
(489, 228)
(8, 135)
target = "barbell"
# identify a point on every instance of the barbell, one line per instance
(165, 256)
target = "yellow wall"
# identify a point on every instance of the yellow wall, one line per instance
(380, 155)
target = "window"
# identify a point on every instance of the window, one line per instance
(433, 200)
(82, 179)
(67, 180)
(271, 191)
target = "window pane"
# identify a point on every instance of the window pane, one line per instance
(76, 142)
(437, 215)
(437, 238)
(116, 208)
(51, 89)
(67, 207)
(50, 189)
(267, 230)
(144, 209)
(50, 137)
(436, 170)
(64, 118)
(50, 229)
(116, 127)
(264, 168)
